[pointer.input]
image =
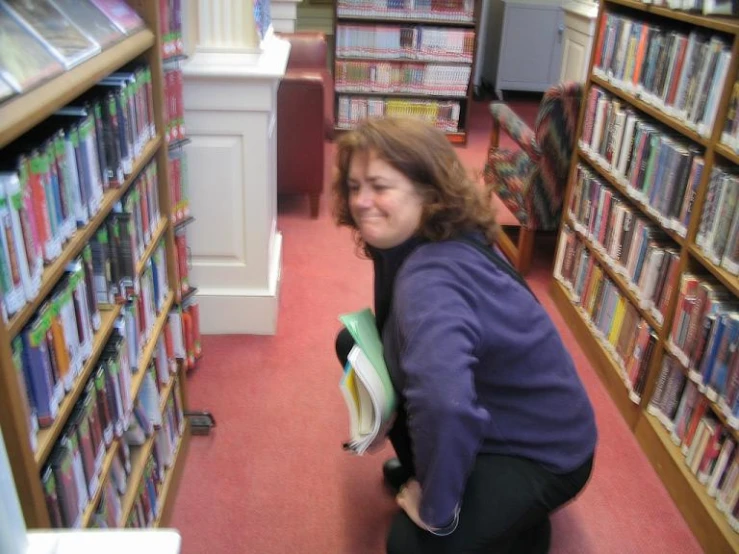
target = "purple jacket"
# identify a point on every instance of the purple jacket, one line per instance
(481, 368)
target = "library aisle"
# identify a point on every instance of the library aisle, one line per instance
(272, 477)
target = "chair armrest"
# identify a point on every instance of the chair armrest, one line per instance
(507, 120)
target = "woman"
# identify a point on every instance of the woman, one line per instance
(494, 429)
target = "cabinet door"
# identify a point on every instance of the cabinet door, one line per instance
(574, 56)
(531, 47)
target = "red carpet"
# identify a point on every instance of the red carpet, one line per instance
(272, 478)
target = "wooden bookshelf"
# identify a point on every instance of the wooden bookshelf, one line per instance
(625, 192)
(710, 526)
(54, 271)
(716, 23)
(407, 17)
(22, 113)
(19, 115)
(651, 111)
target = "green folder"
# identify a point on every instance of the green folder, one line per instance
(361, 324)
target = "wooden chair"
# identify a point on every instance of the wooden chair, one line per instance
(531, 181)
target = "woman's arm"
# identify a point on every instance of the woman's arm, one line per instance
(439, 334)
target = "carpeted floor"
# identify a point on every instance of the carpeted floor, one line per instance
(272, 477)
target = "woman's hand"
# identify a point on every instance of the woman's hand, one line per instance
(409, 498)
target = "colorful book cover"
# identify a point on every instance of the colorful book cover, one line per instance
(24, 61)
(60, 35)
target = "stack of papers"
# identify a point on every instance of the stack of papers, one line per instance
(366, 386)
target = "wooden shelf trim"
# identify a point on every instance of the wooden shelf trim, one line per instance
(102, 478)
(47, 437)
(643, 209)
(82, 236)
(21, 114)
(723, 24)
(619, 279)
(726, 152)
(651, 111)
(152, 246)
(729, 280)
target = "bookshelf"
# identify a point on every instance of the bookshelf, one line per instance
(136, 334)
(405, 57)
(644, 270)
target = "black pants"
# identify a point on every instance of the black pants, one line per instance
(505, 507)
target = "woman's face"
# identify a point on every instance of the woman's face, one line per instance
(385, 205)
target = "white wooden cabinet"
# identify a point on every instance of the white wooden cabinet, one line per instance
(530, 52)
(577, 42)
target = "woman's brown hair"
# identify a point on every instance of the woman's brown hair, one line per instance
(453, 203)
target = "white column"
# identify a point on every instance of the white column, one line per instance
(230, 96)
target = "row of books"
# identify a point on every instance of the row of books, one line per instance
(416, 42)
(178, 183)
(718, 231)
(706, 7)
(630, 244)
(53, 178)
(612, 318)
(118, 251)
(43, 38)
(170, 23)
(71, 475)
(444, 114)
(708, 445)
(657, 169)
(57, 342)
(110, 418)
(682, 75)
(442, 10)
(704, 337)
(402, 77)
(174, 107)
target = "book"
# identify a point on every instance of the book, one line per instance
(91, 21)
(59, 34)
(366, 386)
(24, 61)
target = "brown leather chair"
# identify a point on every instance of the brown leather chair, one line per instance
(305, 109)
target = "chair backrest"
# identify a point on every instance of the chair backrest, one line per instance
(556, 125)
